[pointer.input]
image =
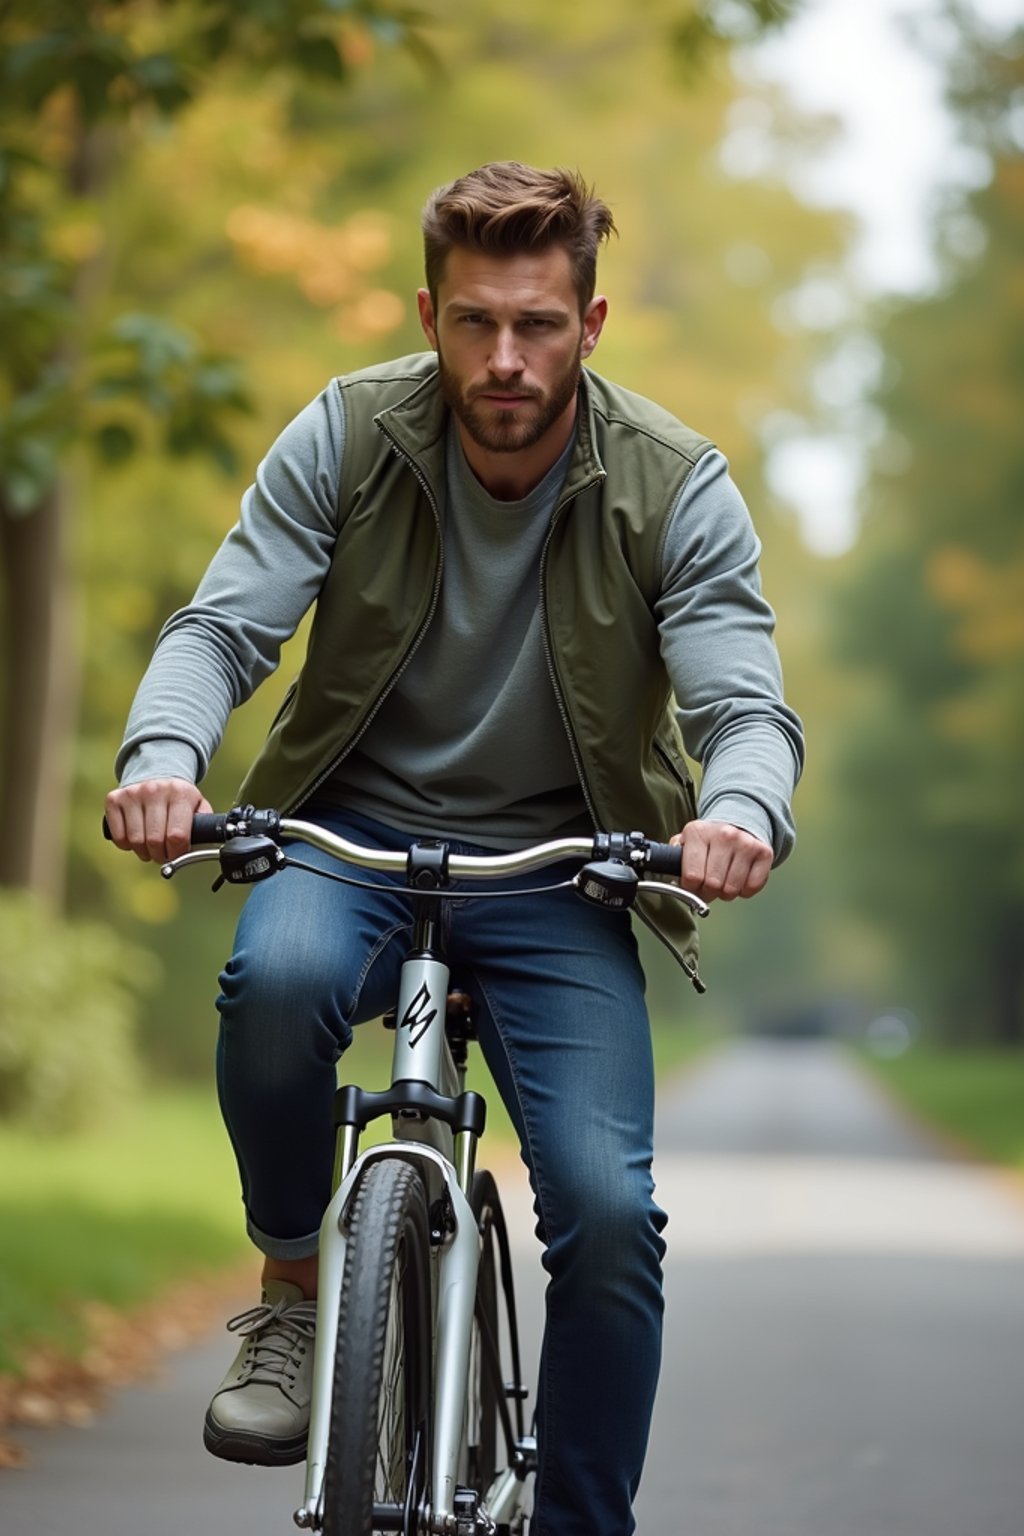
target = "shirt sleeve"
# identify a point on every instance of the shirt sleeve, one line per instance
(716, 632)
(211, 655)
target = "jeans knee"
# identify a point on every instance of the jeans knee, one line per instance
(281, 1007)
(613, 1231)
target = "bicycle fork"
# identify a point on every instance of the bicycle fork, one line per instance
(436, 1126)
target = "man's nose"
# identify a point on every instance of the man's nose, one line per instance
(506, 357)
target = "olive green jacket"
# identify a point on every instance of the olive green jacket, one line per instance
(599, 584)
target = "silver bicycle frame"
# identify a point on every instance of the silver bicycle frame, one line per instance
(421, 1054)
(421, 1048)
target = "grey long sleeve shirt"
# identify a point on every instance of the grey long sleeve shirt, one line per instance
(472, 744)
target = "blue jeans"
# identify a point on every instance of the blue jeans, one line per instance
(561, 1020)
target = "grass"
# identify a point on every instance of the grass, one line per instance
(974, 1094)
(113, 1215)
(117, 1214)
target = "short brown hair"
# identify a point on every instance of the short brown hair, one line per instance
(507, 208)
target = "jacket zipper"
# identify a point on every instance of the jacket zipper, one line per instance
(414, 646)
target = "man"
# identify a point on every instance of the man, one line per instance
(516, 565)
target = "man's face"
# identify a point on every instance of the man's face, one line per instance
(510, 340)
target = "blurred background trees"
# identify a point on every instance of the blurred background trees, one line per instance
(86, 90)
(209, 208)
(929, 620)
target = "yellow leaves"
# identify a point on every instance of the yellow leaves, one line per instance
(997, 633)
(325, 282)
(376, 314)
(56, 127)
(273, 240)
(267, 240)
(357, 46)
(955, 576)
(329, 263)
(366, 240)
(75, 239)
(988, 599)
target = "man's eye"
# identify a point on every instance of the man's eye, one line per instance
(472, 319)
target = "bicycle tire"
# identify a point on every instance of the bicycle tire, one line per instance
(379, 1447)
(484, 1384)
(492, 1427)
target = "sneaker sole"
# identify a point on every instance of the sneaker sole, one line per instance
(253, 1449)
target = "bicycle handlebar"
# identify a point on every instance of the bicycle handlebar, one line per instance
(640, 854)
(652, 857)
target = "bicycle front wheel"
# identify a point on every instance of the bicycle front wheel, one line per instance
(378, 1458)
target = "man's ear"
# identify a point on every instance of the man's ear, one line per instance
(594, 316)
(426, 309)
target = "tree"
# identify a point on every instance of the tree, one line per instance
(931, 621)
(83, 88)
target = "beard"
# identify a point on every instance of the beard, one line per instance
(508, 431)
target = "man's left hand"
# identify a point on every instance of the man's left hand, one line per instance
(721, 861)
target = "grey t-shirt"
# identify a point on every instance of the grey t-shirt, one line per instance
(470, 740)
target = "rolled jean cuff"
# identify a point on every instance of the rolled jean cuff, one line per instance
(283, 1247)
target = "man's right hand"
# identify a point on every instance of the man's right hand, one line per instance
(153, 819)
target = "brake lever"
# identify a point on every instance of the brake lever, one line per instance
(197, 856)
(663, 888)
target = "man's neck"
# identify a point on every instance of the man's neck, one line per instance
(511, 476)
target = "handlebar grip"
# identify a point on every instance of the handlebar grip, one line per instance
(664, 859)
(209, 827)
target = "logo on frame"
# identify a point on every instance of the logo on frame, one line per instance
(418, 1017)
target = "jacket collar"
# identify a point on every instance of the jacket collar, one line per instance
(418, 425)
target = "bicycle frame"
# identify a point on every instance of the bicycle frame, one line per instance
(436, 1124)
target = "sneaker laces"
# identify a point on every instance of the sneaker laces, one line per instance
(276, 1335)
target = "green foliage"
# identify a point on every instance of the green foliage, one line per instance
(81, 89)
(162, 367)
(714, 24)
(68, 1002)
(89, 77)
(930, 617)
(975, 1095)
(85, 91)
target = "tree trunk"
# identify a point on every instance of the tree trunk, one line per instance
(41, 661)
(41, 695)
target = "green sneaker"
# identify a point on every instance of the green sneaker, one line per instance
(260, 1411)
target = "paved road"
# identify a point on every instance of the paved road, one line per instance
(843, 1350)
(845, 1325)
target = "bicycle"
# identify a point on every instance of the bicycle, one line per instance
(418, 1418)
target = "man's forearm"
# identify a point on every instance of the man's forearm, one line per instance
(717, 641)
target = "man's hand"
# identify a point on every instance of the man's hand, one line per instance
(722, 861)
(154, 818)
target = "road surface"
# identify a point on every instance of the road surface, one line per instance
(843, 1341)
